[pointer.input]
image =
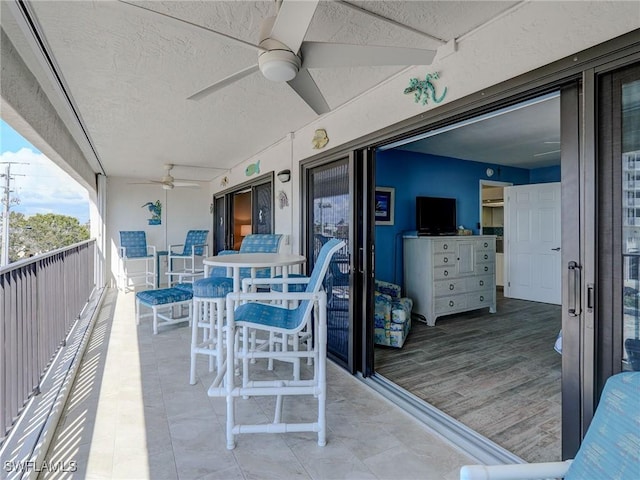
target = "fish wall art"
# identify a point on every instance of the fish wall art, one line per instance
(252, 169)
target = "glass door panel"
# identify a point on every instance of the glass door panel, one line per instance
(330, 216)
(262, 208)
(630, 132)
(219, 224)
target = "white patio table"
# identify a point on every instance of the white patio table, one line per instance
(253, 261)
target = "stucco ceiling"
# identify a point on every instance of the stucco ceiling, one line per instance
(130, 71)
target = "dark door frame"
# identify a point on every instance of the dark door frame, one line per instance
(580, 67)
(228, 205)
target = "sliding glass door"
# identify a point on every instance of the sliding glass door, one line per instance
(246, 209)
(329, 213)
(618, 327)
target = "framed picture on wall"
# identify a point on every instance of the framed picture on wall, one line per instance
(385, 205)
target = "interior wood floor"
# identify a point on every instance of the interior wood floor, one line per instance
(496, 373)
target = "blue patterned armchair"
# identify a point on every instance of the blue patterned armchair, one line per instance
(392, 315)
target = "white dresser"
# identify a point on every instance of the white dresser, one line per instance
(445, 275)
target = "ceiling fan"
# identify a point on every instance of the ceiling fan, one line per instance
(284, 56)
(167, 181)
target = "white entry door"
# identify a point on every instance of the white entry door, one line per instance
(532, 242)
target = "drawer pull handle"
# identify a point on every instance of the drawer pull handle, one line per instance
(486, 244)
(481, 298)
(445, 246)
(486, 269)
(446, 273)
(446, 260)
(486, 256)
(482, 283)
(451, 287)
(451, 303)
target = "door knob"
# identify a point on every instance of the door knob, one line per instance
(557, 249)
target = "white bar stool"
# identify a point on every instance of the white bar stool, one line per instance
(209, 296)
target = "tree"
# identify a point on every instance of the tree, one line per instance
(42, 233)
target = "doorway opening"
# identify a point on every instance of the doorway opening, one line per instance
(497, 373)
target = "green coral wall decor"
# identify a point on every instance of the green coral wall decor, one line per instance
(424, 90)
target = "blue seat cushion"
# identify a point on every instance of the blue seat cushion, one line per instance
(163, 296)
(187, 287)
(295, 287)
(270, 315)
(212, 287)
(611, 447)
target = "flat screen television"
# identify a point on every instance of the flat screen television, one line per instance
(436, 216)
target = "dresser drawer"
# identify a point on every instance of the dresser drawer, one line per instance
(481, 282)
(485, 268)
(485, 257)
(444, 246)
(444, 259)
(444, 273)
(452, 303)
(449, 287)
(486, 245)
(479, 299)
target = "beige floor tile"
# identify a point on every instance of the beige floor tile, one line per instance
(132, 414)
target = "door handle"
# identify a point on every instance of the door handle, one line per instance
(557, 249)
(573, 280)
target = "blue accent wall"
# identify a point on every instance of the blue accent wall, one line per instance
(416, 174)
(545, 174)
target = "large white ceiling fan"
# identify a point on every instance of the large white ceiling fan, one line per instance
(167, 181)
(284, 56)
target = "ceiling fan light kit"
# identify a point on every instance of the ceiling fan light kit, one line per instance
(279, 65)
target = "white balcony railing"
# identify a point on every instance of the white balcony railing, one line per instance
(40, 300)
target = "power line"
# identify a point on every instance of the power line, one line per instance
(6, 201)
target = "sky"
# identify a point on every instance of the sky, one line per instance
(40, 186)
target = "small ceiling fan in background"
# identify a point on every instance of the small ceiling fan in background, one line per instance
(167, 181)
(284, 56)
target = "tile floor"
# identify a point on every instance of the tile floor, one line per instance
(132, 414)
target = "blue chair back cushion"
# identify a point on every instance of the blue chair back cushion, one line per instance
(611, 447)
(134, 242)
(195, 237)
(291, 319)
(261, 243)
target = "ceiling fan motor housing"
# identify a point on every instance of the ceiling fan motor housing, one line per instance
(278, 63)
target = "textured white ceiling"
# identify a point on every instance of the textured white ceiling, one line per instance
(130, 72)
(526, 135)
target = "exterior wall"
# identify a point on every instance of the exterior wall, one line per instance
(538, 33)
(183, 209)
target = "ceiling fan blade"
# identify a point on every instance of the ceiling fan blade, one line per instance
(186, 184)
(306, 87)
(148, 182)
(215, 32)
(292, 22)
(223, 83)
(319, 54)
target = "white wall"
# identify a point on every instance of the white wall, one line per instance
(183, 209)
(526, 37)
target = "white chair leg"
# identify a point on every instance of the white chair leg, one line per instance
(155, 319)
(194, 341)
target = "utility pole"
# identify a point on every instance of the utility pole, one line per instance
(6, 202)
